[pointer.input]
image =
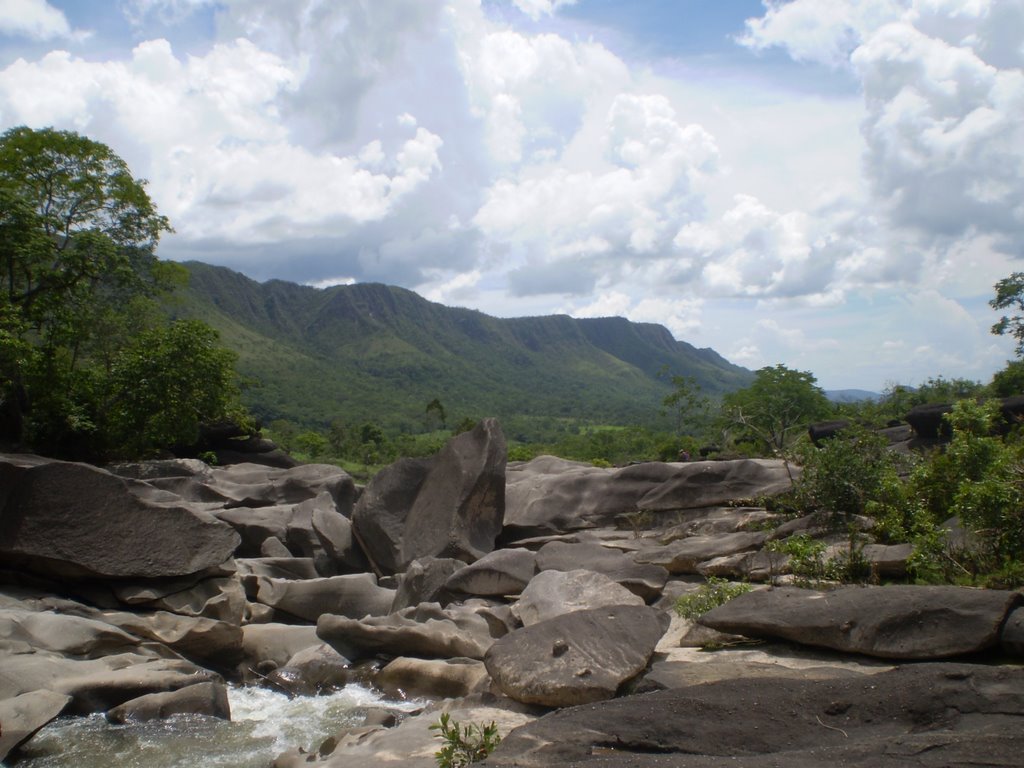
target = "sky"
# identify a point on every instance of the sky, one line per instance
(833, 185)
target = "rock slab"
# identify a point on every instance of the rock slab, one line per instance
(577, 658)
(891, 622)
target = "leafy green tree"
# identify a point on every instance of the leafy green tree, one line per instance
(90, 366)
(1010, 293)
(776, 407)
(435, 407)
(1009, 381)
(165, 384)
(687, 404)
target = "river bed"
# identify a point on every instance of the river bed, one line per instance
(264, 724)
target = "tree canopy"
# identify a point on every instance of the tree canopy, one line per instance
(90, 366)
(779, 403)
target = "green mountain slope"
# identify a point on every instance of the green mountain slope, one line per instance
(371, 352)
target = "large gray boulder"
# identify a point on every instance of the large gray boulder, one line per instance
(548, 495)
(424, 581)
(915, 715)
(554, 593)
(72, 520)
(424, 631)
(209, 698)
(892, 622)
(685, 555)
(21, 716)
(498, 573)
(643, 579)
(449, 506)
(576, 658)
(354, 595)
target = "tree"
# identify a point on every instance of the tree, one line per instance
(778, 403)
(435, 407)
(165, 384)
(687, 403)
(1010, 293)
(91, 368)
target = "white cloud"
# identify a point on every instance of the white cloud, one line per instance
(208, 135)
(537, 8)
(35, 19)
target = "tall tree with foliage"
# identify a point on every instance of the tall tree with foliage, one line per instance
(776, 407)
(82, 342)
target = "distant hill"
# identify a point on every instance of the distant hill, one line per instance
(371, 352)
(851, 395)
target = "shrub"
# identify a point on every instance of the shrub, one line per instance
(464, 744)
(713, 593)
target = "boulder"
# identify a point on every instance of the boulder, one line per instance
(498, 573)
(914, 715)
(891, 622)
(449, 506)
(21, 716)
(209, 698)
(221, 599)
(685, 555)
(72, 520)
(578, 657)
(548, 495)
(554, 593)
(425, 631)
(274, 568)
(354, 596)
(437, 678)
(1012, 635)
(269, 646)
(312, 671)
(254, 485)
(643, 579)
(26, 631)
(204, 641)
(424, 581)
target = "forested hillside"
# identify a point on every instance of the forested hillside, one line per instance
(381, 353)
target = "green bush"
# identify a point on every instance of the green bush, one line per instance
(464, 744)
(713, 593)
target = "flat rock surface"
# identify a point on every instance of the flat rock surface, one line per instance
(555, 593)
(915, 715)
(892, 622)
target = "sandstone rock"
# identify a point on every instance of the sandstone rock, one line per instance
(209, 698)
(274, 568)
(221, 599)
(21, 716)
(643, 579)
(554, 593)
(354, 596)
(550, 495)
(437, 678)
(449, 506)
(425, 631)
(1012, 635)
(576, 658)
(917, 714)
(24, 631)
(204, 641)
(683, 556)
(502, 572)
(894, 622)
(888, 561)
(74, 520)
(313, 671)
(254, 485)
(268, 646)
(424, 582)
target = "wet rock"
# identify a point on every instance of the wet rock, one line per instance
(209, 698)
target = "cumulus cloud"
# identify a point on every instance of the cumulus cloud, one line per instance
(535, 9)
(630, 207)
(35, 19)
(207, 134)
(944, 91)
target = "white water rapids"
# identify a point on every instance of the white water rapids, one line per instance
(263, 724)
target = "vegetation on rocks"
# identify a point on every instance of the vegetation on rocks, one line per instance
(464, 744)
(711, 594)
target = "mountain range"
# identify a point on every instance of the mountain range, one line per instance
(376, 353)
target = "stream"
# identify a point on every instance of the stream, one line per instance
(264, 724)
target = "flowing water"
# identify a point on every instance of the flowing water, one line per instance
(263, 724)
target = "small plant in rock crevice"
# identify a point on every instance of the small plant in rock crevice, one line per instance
(713, 593)
(463, 744)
